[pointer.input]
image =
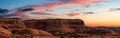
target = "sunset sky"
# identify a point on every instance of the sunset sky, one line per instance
(93, 12)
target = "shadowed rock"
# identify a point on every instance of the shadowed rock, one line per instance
(44, 28)
(30, 33)
(15, 28)
(61, 25)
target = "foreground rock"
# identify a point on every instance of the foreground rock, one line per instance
(4, 32)
(30, 33)
(15, 28)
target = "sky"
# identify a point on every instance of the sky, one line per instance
(93, 12)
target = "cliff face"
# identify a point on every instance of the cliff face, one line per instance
(61, 25)
(44, 28)
(12, 22)
(64, 26)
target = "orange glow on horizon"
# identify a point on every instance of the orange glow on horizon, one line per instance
(103, 19)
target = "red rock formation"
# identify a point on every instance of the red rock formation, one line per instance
(15, 28)
(30, 33)
(4, 32)
(12, 22)
(61, 25)
(64, 26)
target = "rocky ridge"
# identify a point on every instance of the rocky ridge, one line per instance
(48, 28)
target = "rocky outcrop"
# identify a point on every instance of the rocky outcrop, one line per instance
(4, 32)
(13, 22)
(60, 25)
(31, 33)
(48, 28)
(64, 26)
(15, 28)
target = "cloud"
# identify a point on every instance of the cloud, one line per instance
(34, 15)
(73, 14)
(63, 3)
(5, 15)
(36, 11)
(86, 13)
(25, 9)
(65, 0)
(79, 2)
(3, 11)
(114, 9)
(40, 13)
